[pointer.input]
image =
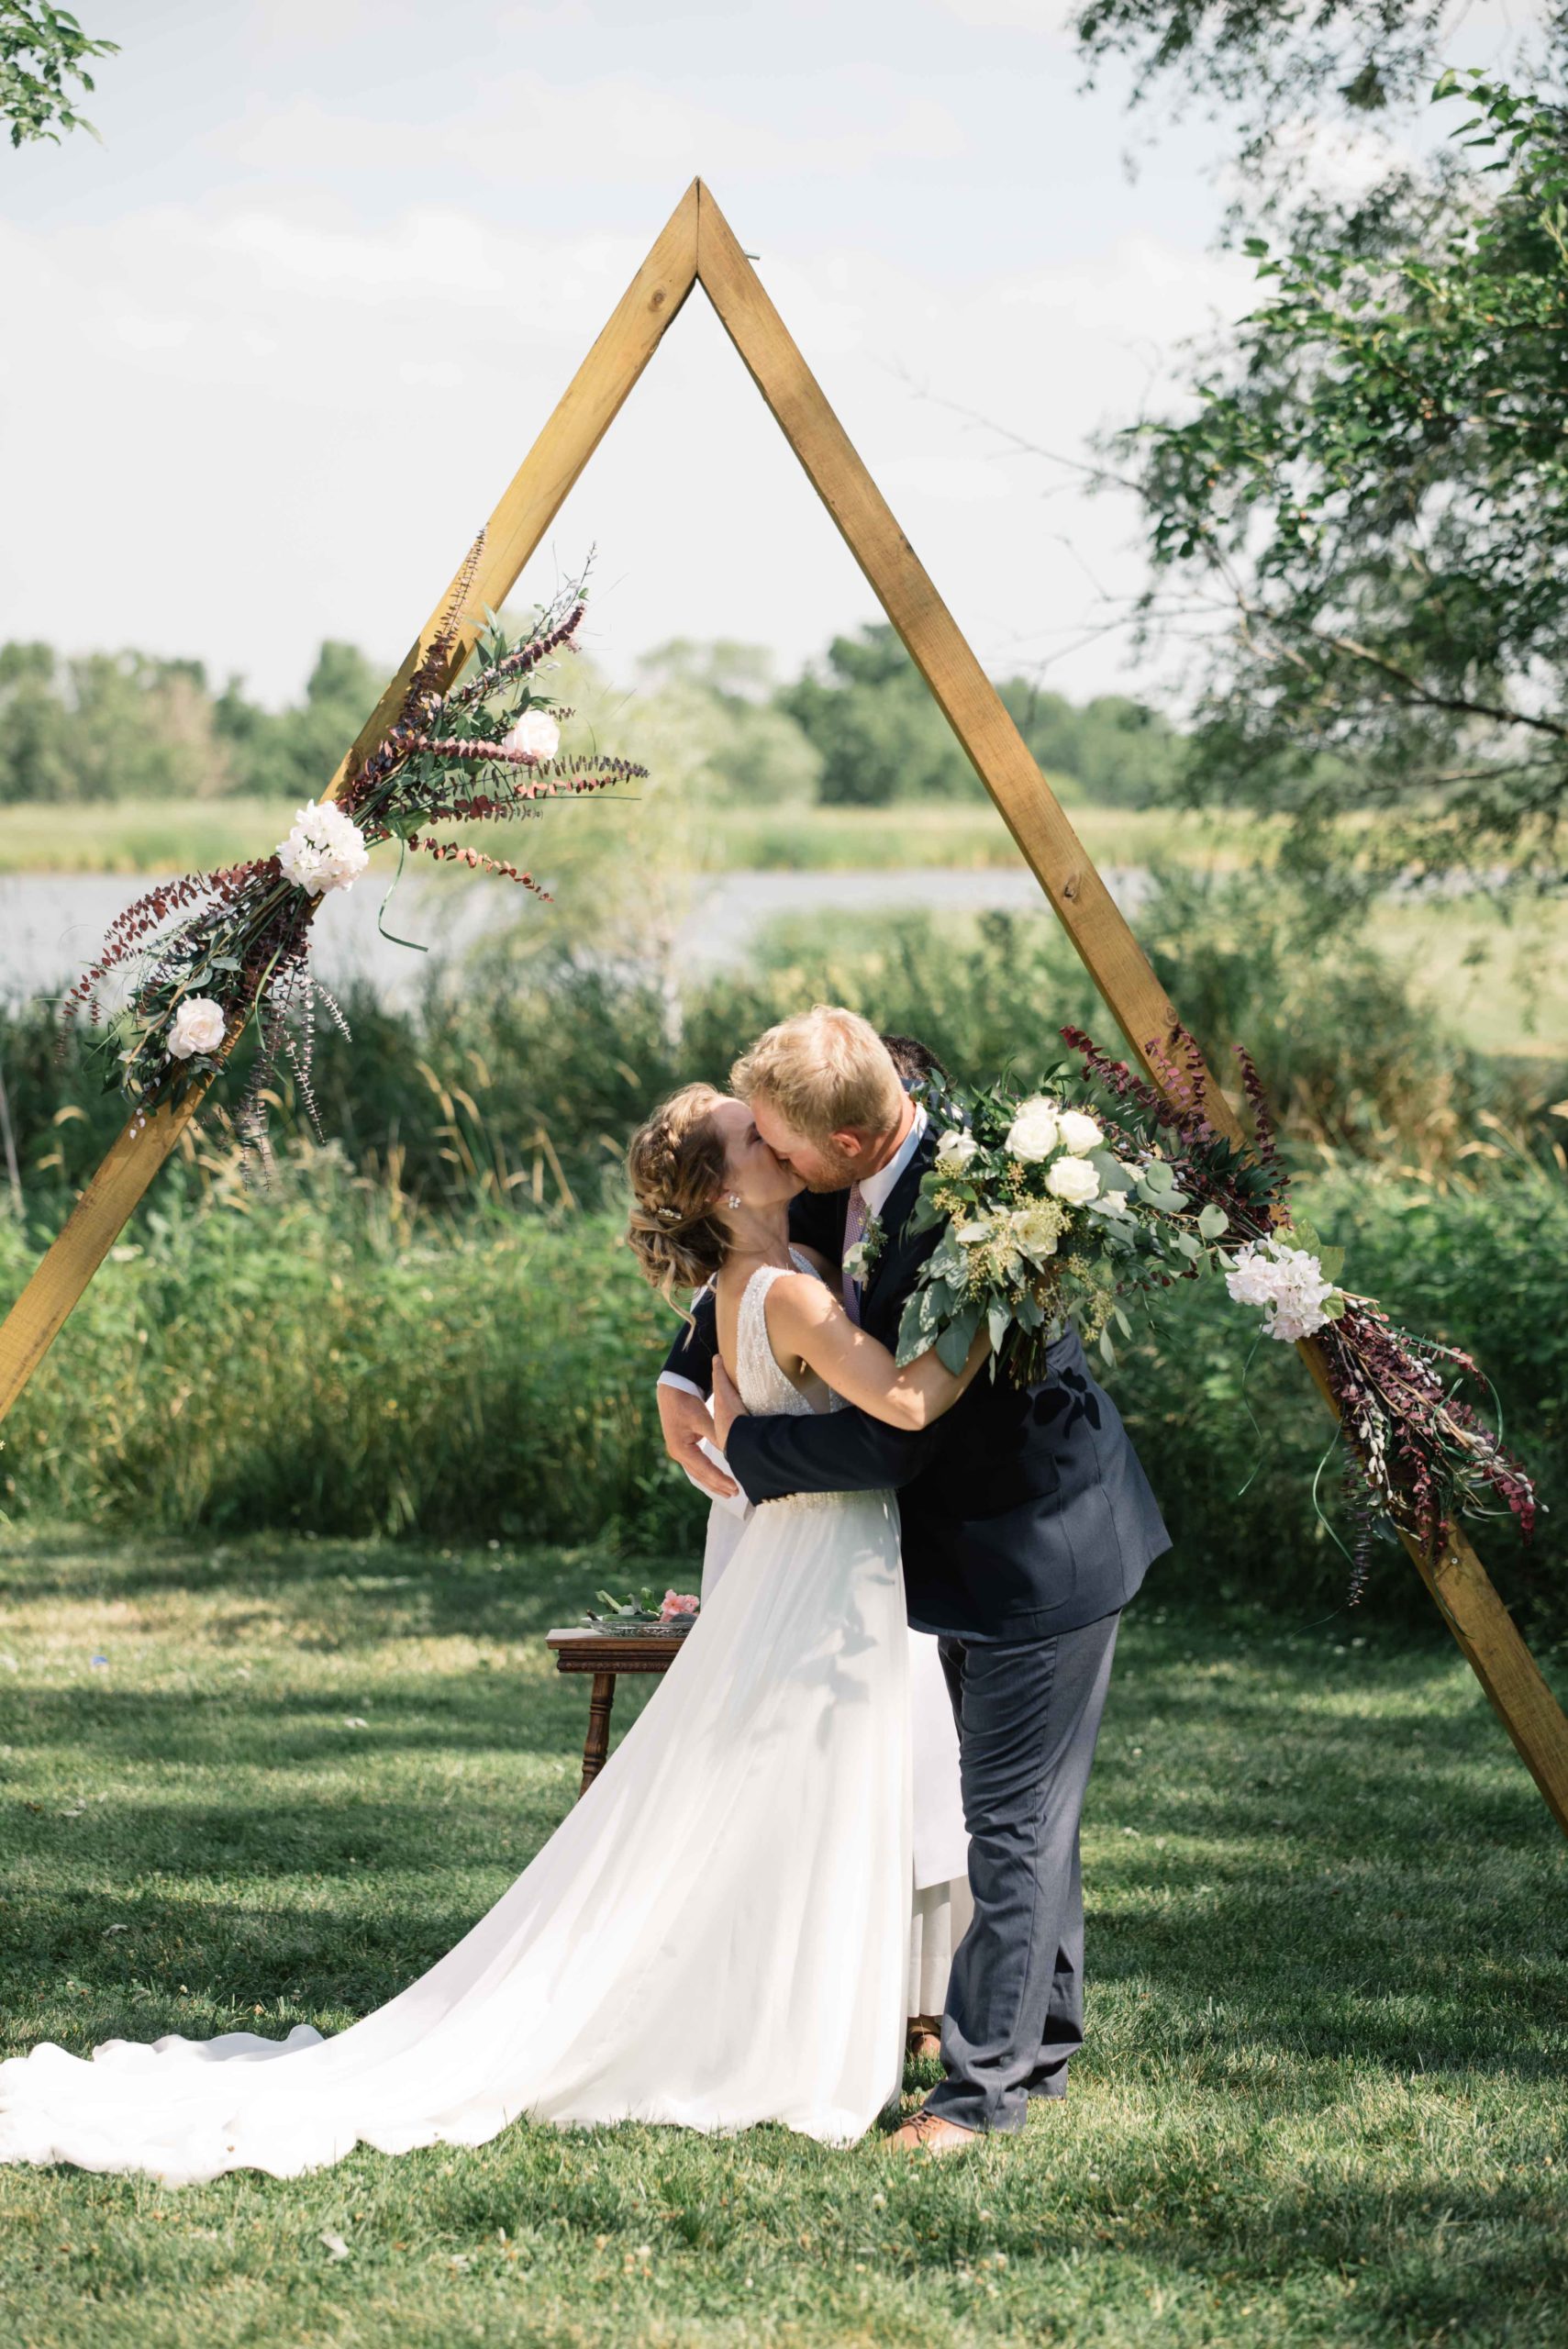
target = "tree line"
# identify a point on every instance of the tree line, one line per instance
(857, 728)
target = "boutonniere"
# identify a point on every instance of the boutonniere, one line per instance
(859, 1259)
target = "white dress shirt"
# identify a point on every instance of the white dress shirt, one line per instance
(878, 1189)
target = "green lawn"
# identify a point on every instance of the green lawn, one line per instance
(164, 835)
(1323, 2099)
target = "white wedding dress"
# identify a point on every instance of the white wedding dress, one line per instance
(716, 1935)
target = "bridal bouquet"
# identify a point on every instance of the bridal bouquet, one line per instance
(204, 953)
(1098, 1189)
(1052, 1218)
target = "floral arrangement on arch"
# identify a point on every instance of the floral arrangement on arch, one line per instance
(1099, 1189)
(207, 952)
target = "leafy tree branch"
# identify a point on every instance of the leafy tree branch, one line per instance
(43, 49)
(1374, 477)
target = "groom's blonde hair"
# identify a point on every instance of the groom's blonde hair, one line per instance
(826, 1071)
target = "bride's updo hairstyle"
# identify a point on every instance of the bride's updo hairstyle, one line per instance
(676, 1164)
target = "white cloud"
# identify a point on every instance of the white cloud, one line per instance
(316, 430)
(1051, 18)
(425, 253)
(524, 130)
(284, 351)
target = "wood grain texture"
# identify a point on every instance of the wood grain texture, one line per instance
(524, 513)
(582, 1649)
(1486, 1631)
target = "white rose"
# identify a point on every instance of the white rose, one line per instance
(535, 737)
(1033, 1132)
(1080, 1134)
(325, 850)
(196, 1026)
(1074, 1180)
(955, 1150)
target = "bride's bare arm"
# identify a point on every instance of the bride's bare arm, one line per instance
(804, 1319)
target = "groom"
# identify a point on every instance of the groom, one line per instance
(1027, 1524)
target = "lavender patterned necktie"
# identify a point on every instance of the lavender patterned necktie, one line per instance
(854, 1230)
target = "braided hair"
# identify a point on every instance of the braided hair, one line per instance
(677, 1163)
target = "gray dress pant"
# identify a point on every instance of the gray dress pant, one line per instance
(1028, 1712)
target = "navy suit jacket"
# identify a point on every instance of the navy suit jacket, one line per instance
(1024, 1510)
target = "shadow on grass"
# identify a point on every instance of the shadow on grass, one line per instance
(341, 1903)
(485, 1712)
(464, 1589)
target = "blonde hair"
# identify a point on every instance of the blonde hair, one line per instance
(677, 1162)
(825, 1071)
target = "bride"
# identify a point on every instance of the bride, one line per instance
(718, 1934)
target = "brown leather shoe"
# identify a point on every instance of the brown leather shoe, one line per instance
(926, 2132)
(924, 2041)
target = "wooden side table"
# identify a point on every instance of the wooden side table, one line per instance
(606, 1654)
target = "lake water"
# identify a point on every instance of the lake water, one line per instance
(51, 924)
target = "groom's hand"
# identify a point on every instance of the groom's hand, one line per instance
(685, 1420)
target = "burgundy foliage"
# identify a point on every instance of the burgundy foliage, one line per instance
(1418, 1453)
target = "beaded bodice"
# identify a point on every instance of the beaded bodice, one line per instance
(764, 1387)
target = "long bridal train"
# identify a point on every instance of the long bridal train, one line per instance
(717, 1935)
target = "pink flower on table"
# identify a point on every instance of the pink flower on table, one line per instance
(676, 1604)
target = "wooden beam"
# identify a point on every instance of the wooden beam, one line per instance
(1487, 1633)
(698, 242)
(525, 512)
(902, 586)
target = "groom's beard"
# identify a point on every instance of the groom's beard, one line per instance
(832, 1174)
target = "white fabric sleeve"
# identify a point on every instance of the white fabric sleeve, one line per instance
(682, 1385)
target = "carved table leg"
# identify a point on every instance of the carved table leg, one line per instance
(596, 1745)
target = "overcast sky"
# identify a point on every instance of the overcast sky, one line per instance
(276, 346)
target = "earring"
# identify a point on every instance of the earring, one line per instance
(732, 1198)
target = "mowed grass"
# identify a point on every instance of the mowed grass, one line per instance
(1322, 2099)
(178, 835)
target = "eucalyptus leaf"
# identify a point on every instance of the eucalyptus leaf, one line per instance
(913, 1337)
(1212, 1220)
(952, 1346)
(1108, 1350)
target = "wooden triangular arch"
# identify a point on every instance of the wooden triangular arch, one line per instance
(697, 246)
